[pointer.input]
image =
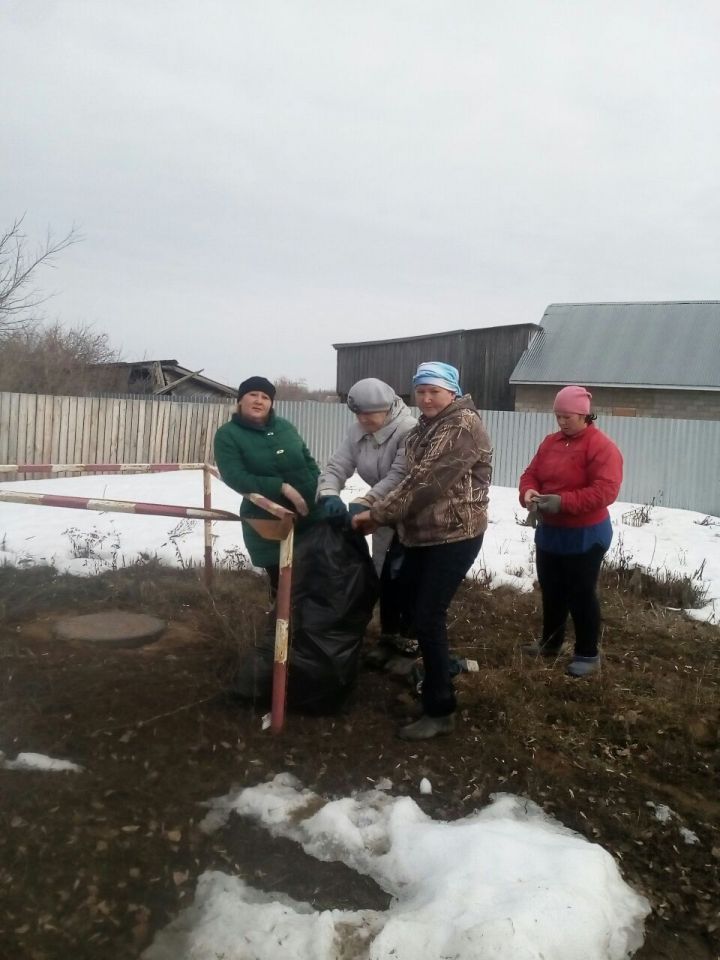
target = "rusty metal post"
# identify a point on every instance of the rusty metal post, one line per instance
(282, 634)
(281, 529)
(207, 525)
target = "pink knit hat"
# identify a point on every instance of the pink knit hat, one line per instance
(573, 400)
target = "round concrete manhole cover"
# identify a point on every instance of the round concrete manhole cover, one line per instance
(114, 628)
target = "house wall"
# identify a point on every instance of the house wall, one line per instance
(629, 402)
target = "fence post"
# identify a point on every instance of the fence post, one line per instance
(282, 634)
(207, 526)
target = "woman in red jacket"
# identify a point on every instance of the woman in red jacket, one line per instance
(574, 476)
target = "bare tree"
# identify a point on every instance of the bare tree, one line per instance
(55, 360)
(18, 267)
(289, 389)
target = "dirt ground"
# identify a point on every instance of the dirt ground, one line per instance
(92, 864)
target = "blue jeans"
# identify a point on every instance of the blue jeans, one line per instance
(432, 576)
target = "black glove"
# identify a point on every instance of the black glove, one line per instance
(332, 507)
(549, 502)
(356, 508)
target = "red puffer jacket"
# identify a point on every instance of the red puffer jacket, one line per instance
(586, 470)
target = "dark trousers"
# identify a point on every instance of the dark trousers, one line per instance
(432, 576)
(568, 583)
(395, 614)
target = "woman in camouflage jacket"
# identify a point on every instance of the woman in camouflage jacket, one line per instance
(440, 512)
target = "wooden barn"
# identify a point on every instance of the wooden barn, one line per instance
(485, 358)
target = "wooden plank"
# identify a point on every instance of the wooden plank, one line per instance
(21, 431)
(112, 445)
(151, 417)
(202, 433)
(163, 410)
(131, 439)
(98, 431)
(75, 430)
(121, 451)
(182, 416)
(62, 453)
(47, 431)
(38, 440)
(186, 433)
(4, 427)
(140, 432)
(84, 404)
(195, 449)
(30, 429)
(172, 451)
(198, 441)
(104, 450)
(55, 434)
(14, 417)
(86, 430)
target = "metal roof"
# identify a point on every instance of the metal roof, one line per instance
(440, 333)
(665, 344)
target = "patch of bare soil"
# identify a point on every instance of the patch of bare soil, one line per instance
(92, 864)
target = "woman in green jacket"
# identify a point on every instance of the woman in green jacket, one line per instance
(258, 452)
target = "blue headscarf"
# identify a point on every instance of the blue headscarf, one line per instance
(438, 374)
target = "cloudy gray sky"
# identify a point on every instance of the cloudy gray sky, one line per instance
(257, 179)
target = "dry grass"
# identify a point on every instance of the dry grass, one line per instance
(158, 736)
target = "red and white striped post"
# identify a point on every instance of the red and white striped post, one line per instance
(114, 506)
(207, 526)
(284, 531)
(98, 467)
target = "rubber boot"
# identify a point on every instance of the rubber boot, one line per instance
(428, 727)
(583, 666)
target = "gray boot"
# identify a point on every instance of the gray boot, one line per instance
(583, 666)
(427, 727)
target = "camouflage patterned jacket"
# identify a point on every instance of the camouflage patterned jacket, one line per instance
(444, 496)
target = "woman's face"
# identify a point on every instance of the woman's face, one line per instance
(371, 422)
(432, 400)
(255, 406)
(570, 423)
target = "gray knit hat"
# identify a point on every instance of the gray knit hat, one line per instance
(370, 396)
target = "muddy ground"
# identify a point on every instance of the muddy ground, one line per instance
(92, 864)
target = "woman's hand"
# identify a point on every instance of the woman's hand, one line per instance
(530, 498)
(364, 523)
(295, 498)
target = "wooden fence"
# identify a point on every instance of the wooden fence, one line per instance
(46, 429)
(671, 462)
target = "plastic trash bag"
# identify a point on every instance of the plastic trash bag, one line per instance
(334, 590)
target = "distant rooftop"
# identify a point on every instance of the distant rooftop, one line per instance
(439, 333)
(670, 344)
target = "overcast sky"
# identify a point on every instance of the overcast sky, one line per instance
(258, 179)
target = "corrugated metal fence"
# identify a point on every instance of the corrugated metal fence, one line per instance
(674, 462)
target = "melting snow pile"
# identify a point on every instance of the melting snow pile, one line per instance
(506, 883)
(38, 761)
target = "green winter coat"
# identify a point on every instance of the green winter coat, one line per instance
(259, 459)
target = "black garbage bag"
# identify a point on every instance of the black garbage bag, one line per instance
(334, 590)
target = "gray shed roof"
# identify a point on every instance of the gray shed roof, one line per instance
(669, 345)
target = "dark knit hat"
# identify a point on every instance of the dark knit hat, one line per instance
(256, 383)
